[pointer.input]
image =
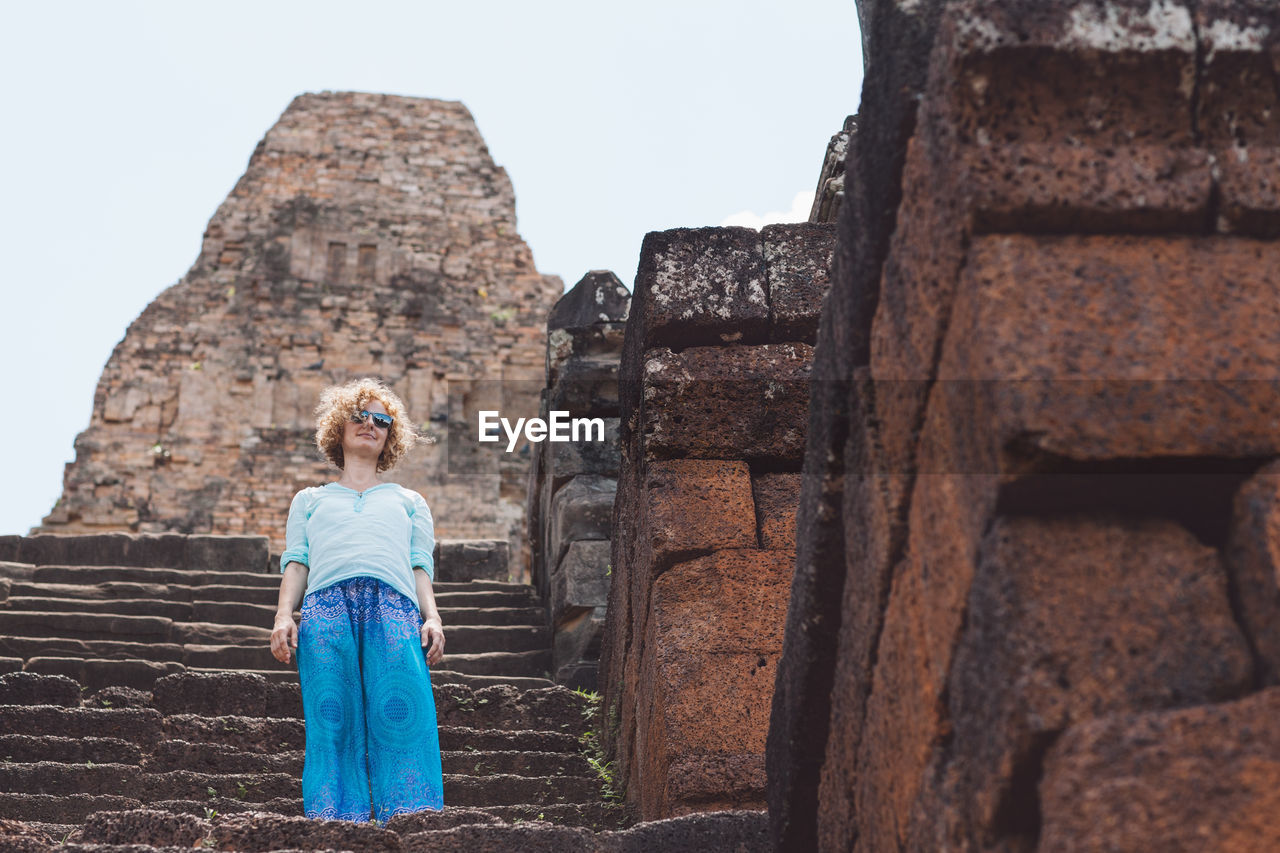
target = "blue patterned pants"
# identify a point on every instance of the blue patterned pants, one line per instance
(372, 740)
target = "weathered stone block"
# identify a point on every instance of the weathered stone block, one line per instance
(1070, 619)
(1253, 560)
(581, 509)
(227, 553)
(1167, 780)
(586, 387)
(144, 827)
(1238, 112)
(777, 498)
(576, 647)
(732, 402)
(28, 688)
(603, 340)
(598, 297)
(709, 662)
(567, 459)
(1054, 187)
(472, 559)
(697, 505)
(798, 260)
(146, 550)
(1150, 327)
(581, 581)
(211, 694)
(700, 286)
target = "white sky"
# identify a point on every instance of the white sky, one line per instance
(127, 123)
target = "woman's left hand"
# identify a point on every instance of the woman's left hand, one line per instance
(433, 641)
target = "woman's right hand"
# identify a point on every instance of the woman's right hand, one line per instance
(284, 637)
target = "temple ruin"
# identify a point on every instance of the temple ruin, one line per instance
(369, 235)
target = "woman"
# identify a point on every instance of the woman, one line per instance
(362, 551)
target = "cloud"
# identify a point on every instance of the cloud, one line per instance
(799, 212)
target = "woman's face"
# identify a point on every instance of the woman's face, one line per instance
(365, 438)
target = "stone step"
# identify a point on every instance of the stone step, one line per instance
(59, 779)
(521, 596)
(52, 808)
(30, 647)
(446, 676)
(74, 750)
(71, 575)
(87, 626)
(534, 664)
(133, 574)
(207, 644)
(500, 707)
(28, 688)
(179, 611)
(141, 726)
(215, 758)
(537, 834)
(438, 676)
(97, 673)
(474, 639)
(586, 827)
(168, 592)
(238, 613)
(272, 734)
(596, 815)
(187, 551)
(481, 594)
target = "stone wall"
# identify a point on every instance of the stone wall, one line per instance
(714, 389)
(369, 235)
(1033, 605)
(572, 484)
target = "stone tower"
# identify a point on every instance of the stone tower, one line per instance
(370, 235)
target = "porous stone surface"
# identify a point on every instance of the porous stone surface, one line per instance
(371, 235)
(829, 195)
(996, 450)
(1253, 562)
(714, 388)
(1207, 776)
(569, 499)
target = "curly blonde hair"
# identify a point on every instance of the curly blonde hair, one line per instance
(339, 402)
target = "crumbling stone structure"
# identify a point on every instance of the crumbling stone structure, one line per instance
(572, 484)
(1034, 598)
(370, 235)
(714, 389)
(829, 194)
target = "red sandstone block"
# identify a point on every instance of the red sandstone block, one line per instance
(1253, 559)
(732, 402)
(777, 498)
(1249, 186)
(1206, 777)
(1111, 347)
(696, 505)
(1069, 619)
(1057, 187)
(709, 663)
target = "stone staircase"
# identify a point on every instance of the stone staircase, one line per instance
(140, 705)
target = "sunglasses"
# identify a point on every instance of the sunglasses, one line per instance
(381, 421)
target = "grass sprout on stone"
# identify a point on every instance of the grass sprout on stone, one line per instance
(610, 790)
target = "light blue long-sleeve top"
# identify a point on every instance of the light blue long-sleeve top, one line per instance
(339, 533)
